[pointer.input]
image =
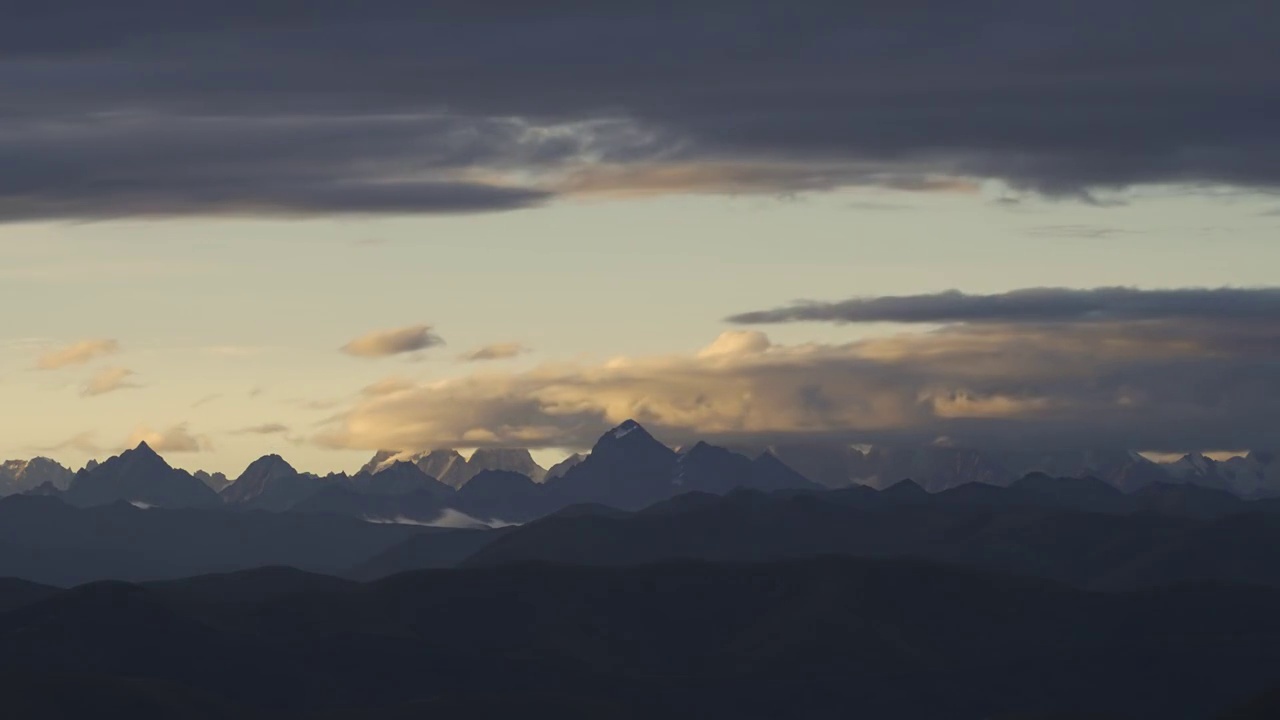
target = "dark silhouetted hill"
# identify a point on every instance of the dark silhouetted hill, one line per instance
(45, 540)
(809, 638)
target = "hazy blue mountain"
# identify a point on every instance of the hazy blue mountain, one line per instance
(142, 477)
(627, 468)
(451, 468)
(217, 481)
(17, 476)
(271, 483)
(45, 540)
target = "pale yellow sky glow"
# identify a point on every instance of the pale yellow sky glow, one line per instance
(194, 333)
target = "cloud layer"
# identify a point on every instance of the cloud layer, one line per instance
(396, 106)
(174, 439)
(76, 354)
(263, 429)
(1203, 374)
(384, 343)
(1037, 305)
(497, 351)
(108, 380)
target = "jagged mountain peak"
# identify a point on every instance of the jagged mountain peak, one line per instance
(267, 466)
(628, 434)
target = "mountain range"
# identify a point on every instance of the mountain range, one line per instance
(699, 583)
(17, 476)
(934, 467)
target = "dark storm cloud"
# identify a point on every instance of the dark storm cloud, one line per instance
(1060, 98)
(1039, 305)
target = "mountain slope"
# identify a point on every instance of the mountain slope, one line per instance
(627, 469)
(47, 541)
(17, 476)
(271, 483)
(811, 638)
(139, 476)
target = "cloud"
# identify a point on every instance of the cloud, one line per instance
(206, 400)
(700, 96)
(82, 443)
(176, 438)
(1036, 305)
(386, 386)
(264, 429)
(736, 342)
(108, 380)
(76, 354)
(1184, 380)
(384, 343)
(497, 351)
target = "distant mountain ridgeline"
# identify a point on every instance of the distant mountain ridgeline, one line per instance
(1081, 532)
(626, 469)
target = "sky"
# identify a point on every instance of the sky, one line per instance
(322, 230)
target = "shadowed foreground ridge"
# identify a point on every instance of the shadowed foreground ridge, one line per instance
(819, 637)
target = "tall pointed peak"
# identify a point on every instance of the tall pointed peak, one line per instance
(142, 453)
(272, 461)
(628, 433)
(626, 428)
(702, 449)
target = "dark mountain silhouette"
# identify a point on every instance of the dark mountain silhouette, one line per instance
(15, 593)
(1086, 494)
(217, 482)
(45, 540)
(401, 478)
(271, 483)
(426, 551)
(505, 496)
(707, 468)
(139, 476)
(807, 638)
(1042, 528)
(627, 468)
(1187, 500)
(45, 489)
(422, 506)
(1235, 549)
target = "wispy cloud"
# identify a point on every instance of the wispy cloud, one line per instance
(176, 438)
(108, 380)
(264, 429)
(387, 386)
(496, 351)
(384, 343)
(82, 442)
(76, 354)
(206, 400)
